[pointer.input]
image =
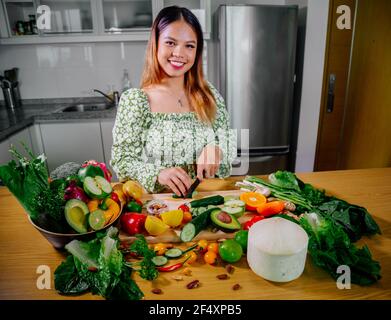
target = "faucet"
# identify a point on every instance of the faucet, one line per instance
(114, 100)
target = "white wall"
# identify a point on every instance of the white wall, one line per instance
(314, 55)
(72, 70)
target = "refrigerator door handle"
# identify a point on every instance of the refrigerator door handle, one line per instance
(237, 162)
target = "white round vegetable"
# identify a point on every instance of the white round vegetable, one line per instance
(277, 249)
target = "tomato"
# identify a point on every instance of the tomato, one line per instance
(184, 208)
(114, 196)
(192, 257)
(247, 225)
(202, 245)
(160, 248)
(213, 247)
(187, 217)
(210, 257)
(241, 237)
(230, 251)
(133, 223)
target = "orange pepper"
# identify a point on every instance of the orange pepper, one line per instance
(271, 208)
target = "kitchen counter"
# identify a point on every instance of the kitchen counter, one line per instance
(23, 249)
(12, 121)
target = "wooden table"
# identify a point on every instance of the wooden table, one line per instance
(23, 250)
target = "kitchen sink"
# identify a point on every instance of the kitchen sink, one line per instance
(86, 107)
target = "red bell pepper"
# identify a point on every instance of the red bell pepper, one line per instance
(247, 225)
(133, 223)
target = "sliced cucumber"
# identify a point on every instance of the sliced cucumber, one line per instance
(235, 211)
(199, 223)
(234, 203)
(229, 198)
(159, 260)
(173, 253)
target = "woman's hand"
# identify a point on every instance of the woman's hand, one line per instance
(176, 179)
(208, 161)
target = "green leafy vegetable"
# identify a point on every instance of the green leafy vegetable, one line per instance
(97, 266)
(26, 179)
(330, 247)
(284, 179)
(147, 269)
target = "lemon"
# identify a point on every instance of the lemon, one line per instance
(155, 226)
(173, 218)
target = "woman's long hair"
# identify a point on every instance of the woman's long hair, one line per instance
(197, 89)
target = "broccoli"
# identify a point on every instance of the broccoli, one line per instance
(65, 170)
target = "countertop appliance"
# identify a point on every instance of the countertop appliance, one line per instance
(257, 48)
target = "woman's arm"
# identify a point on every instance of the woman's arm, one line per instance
(127, 157)
(225, 139)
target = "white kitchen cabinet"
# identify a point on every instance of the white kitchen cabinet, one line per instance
(107, 139)
(70, 141)
(80, 21)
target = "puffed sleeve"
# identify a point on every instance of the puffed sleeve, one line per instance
(225, 137)
(128, 158)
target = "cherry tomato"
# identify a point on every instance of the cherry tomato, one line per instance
(187, 217)
(213, 247)
(184, 208)
(210, 257)
(192, 257)
(202, 245)
(160, 248)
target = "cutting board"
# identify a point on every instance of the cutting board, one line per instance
(172, 235)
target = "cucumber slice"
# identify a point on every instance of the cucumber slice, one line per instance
(173, 253)
(235, 211)
(228, 198)
(192, 228)
(159, 260)
(234, 203)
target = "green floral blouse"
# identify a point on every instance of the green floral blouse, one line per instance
(146, 142)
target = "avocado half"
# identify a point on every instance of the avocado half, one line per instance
(76, 214)
(224, 221)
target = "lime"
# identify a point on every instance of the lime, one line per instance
(230, 251)
(241, 238)
(97, 219)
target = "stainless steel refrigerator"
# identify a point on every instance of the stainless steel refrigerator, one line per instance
(257, 45)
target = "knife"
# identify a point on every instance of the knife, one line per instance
(192, 188)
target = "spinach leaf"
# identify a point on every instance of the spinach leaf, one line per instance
(67, 280)
(284, 179)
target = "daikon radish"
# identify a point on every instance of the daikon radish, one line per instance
(277, 249)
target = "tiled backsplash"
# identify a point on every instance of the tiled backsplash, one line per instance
(72, 70)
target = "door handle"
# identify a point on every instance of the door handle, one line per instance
(330, 93)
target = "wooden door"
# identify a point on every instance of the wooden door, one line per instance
(337, 62)
(366, 139)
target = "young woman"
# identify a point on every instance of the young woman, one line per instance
(176, 126)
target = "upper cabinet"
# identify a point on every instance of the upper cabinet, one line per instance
(64, 21)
